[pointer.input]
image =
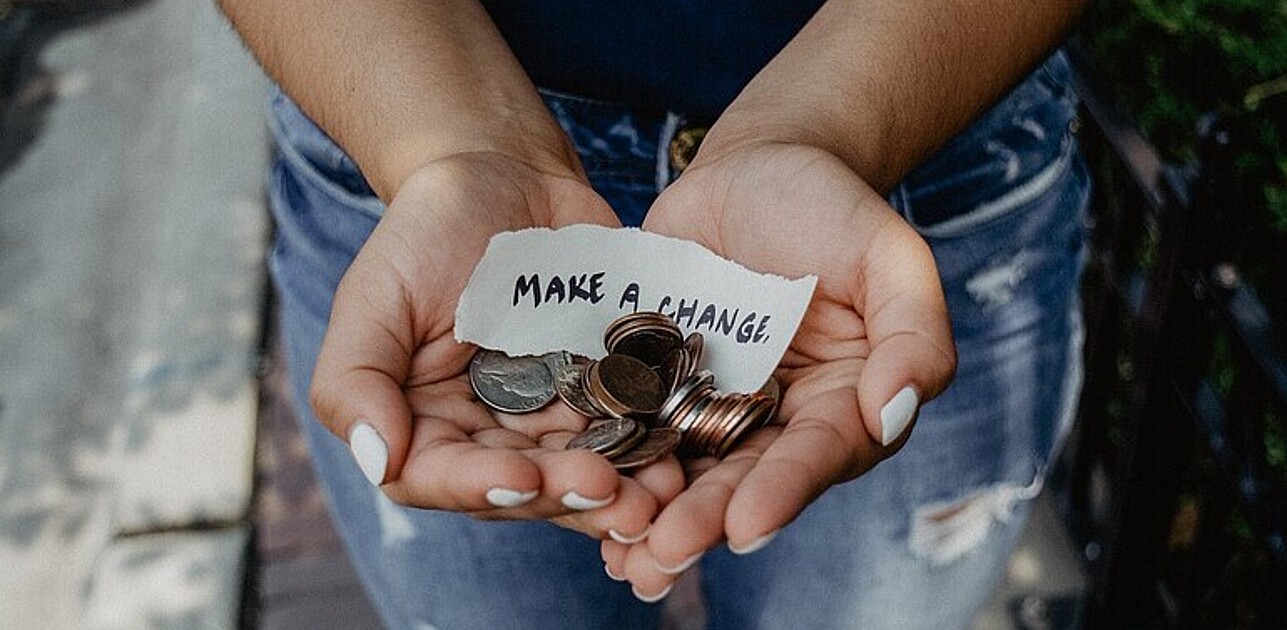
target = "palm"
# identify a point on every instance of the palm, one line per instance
(877, 322)
(392, 332)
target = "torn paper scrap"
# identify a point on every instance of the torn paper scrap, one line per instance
(541, 290)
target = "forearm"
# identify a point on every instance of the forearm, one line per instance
(400, 83)
(883, 83)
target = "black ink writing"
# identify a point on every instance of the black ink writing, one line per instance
(583, 287)
(631, 295)
(749, 328)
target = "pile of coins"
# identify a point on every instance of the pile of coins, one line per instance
(647, 398)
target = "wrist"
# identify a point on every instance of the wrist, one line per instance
(544, 149)
(748, 125)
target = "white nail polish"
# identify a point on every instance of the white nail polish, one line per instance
(370, 451)
(683, 566)
(574, 501)
(649, 599)
(506, 498)
(755, 545)
(628, 540)
(607, 569)
(896, 413)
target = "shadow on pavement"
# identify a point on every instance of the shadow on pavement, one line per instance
(27, 90)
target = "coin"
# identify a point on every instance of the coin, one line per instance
(511, 384)
(669, 413)
(626, 386)
(568, 384)
(675, 369)
(628, 443)
(604, 435)
(647, 336)
(557, 360)
(694, 344)
(657, 444)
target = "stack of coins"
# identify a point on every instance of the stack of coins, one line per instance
(712, 423)
(646, 398)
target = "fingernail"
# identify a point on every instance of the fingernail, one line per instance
(506, 498)
(628, 540)
(370, 451)
(896, 413)
(649, 599)
(755, 545)
(607, 569)
(683, 566)
(575, 501)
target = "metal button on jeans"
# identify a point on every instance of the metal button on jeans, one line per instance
(683, 147)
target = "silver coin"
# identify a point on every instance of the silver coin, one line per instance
(511, 384)
(568, 383)
(557, 360)
(605, 435)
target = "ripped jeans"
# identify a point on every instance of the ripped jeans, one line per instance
(918, 542)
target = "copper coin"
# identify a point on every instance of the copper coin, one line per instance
(654, 447)
(511, 384)
(675, 369)
(604, 435)
(629, 386)
(650, 345)
(757, 415)
(695, 345)
(703, 378)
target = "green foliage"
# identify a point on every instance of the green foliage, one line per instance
(1169, 62)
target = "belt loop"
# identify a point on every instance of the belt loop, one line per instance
(668, 130)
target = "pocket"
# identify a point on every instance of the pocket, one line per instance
(316, 160)
(1008, 157)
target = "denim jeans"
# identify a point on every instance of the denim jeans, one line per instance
(918, 542)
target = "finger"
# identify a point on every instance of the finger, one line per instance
(614, 558)
(664, 479)
(450, 470)
(694, 521)
(822, 444)
(625, 520)
(912, 357)
(356, 390)
(647, 582)
(573, 481)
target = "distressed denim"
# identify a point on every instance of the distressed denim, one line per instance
(918, 542)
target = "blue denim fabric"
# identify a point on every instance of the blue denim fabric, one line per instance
(916, 543)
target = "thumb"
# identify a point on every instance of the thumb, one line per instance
(356, 390)
(912, 358)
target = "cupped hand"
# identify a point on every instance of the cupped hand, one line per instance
(392, 380)
(874, 343)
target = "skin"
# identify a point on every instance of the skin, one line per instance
(452, 134)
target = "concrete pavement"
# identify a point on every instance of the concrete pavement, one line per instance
(132, 236)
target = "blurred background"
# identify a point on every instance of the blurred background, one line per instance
(151, 475)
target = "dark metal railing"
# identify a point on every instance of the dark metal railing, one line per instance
(1168, 484)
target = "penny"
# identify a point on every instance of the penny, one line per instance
(757, 412)
(604, 435)
(694, 344)
(511, 384)
(655, 446)
(568, 384)
(675, 369)
(647, 336)
(677, 399)
(628, 386)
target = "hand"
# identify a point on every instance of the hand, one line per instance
(877, 324)
(392, 379)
